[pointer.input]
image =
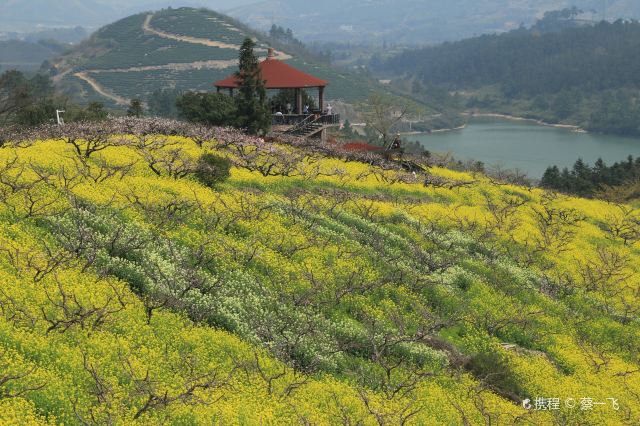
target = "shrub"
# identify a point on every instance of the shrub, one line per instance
(493, 369)
(215, 109)
(212, 169)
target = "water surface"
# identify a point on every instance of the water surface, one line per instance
(527, 146)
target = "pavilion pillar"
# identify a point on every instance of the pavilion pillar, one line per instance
(217, 89)
(321, 99)
(299, 101)
(231, 91)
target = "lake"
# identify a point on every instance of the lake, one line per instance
(527, 146)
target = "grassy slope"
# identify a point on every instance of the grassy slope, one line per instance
(124, 45)
(276, 240)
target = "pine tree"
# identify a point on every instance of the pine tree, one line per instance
(551, 178)
(253, 112)
(135, 108)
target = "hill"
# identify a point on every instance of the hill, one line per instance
(182, 49)
(27, 56)
(588, 76)
(312, 286)
(61, 35)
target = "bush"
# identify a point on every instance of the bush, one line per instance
(493, 369)
(212, 169)
(93, 112)
(214, 109)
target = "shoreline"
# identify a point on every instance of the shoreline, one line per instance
(464, 126)
(571, 127)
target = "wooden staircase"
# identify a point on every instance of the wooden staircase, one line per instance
(313, 125)
(308, 130)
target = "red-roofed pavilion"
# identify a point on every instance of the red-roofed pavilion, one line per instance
(279, 75)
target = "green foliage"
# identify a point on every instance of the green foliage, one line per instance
(558, 20)
(95, 111)
(39, 113)
(585, 75)
(136, 109)
(494, 368)
(591, 58)
(347, 131)
(586, 181)
(252, 111)
(162, 103)
(18, 93)
(212, 169)
(283, 39)
(215, 109)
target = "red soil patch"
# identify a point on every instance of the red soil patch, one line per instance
(360, 146)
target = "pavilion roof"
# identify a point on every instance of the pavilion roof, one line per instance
(277, 75)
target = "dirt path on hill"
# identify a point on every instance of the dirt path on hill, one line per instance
(85, 75)
(58, 77)
(197, 65)
(146, 26)
(101, 90)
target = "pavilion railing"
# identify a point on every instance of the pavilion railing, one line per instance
(330, 119)
(296, 119)
(302, 124)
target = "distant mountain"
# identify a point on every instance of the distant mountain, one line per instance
(413, 21)
(181, 49)
(63, 35)
(587, 75)
(26, 56)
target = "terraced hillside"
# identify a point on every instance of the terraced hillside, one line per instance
(184, 49)
(313, 286)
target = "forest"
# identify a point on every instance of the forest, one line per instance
(619, 181)
(587, 75)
